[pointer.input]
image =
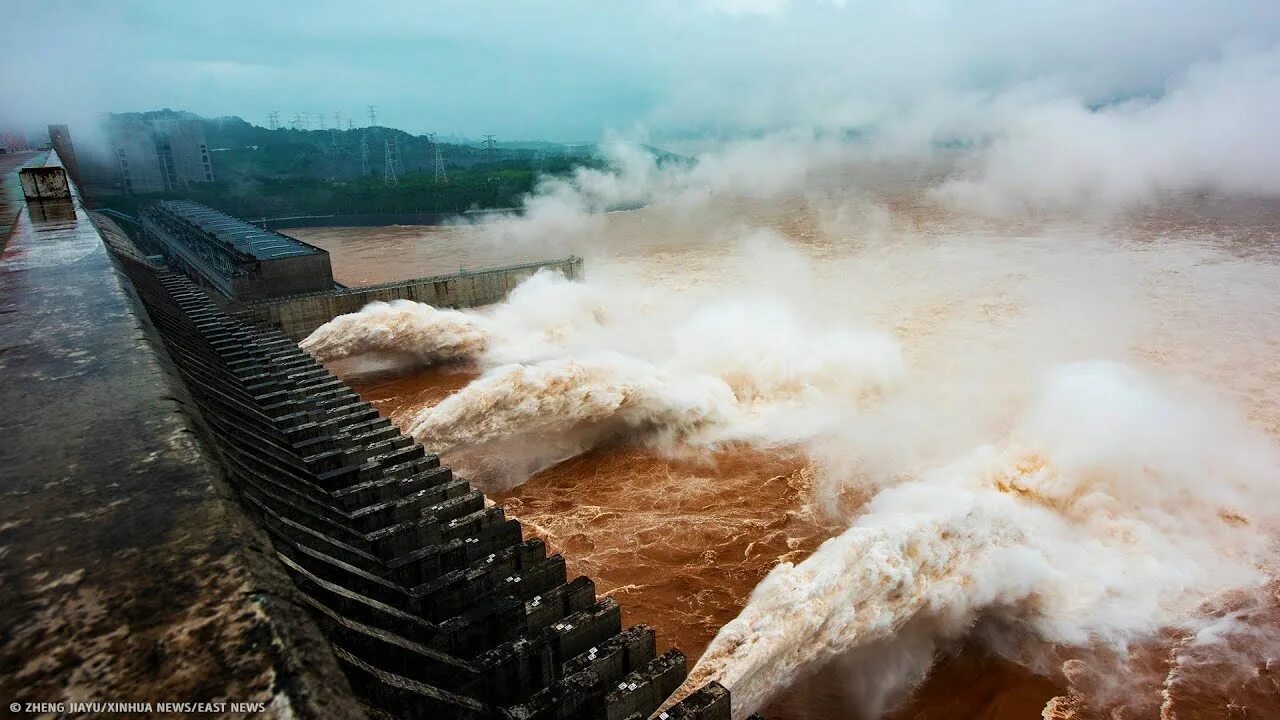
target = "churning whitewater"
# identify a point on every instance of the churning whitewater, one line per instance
(568, 366)
(1056, 440)
(1090, 528)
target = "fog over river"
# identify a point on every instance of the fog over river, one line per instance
(864, 446)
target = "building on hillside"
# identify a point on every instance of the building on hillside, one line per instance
(188, 151)
(160, 155)
(134, 145)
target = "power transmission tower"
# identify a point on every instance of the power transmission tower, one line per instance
(391, 163)
(351, 124)
(373, 117)
(337, 122)
(273, 120)
(297, 121)
(364, 154)
(441, 176)
(320, 120)
(490, 146)
(333, 152)
(306, 121)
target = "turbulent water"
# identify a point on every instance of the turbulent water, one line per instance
(877, 456)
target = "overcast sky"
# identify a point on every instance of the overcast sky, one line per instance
(578, 69)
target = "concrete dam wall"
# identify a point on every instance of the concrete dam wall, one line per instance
(299, 315)
(303, 221)
(433, 602)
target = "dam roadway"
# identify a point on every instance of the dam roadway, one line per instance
(127, 573)
(197, 511)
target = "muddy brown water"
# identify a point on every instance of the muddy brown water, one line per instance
(681, 543)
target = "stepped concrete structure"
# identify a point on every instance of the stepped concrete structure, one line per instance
(196, 510)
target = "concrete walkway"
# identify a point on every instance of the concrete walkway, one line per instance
(126, 573)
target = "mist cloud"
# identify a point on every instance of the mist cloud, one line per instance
(576, 69)
(1210, 130)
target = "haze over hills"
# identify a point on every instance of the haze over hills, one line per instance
(260, 171)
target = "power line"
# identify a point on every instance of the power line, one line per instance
(333, 151)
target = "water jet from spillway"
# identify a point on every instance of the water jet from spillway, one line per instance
(991, 483)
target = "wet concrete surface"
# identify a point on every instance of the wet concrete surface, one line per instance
(10, 191)
(126, 572)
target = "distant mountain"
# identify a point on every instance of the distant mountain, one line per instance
(260, 172)
(240, 149)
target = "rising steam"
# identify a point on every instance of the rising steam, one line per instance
(1095, 526)
(570, 366)
(1088, 505)
(1052, 433)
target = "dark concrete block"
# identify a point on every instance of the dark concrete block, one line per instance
(643, 690)
(709, 702)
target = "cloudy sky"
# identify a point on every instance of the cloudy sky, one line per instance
(578, 69)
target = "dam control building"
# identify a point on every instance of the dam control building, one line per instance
(243, 262)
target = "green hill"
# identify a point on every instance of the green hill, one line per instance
(260, 172)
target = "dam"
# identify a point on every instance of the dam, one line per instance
(193, 490)
(667, 462)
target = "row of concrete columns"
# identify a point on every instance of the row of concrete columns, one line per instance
(434, 603)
